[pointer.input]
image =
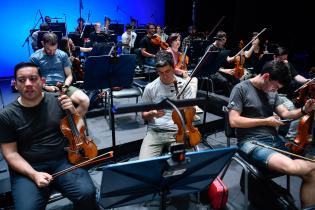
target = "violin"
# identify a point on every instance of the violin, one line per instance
(156, 40)
(73, 128)
(239, 62)
(183, 60)
(304, 128)
(192, 133)
(76, 67)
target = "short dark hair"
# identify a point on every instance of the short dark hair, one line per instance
(220, 35)
(281, 51)
(20, 65)
(163, 58)
(128, 27)
(278, 71)
(149, 24)
(50, 38)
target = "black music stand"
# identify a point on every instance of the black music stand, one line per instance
(138, 181)
(58, 27)
(107, 72)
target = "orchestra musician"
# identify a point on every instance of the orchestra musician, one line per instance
(251, 111)
(97, 35)
(192, 34)
(224, 77)
(161, 128)
(80, 26)
(287, 92)
(34, 147)
(55, 66)
(73, 52)
(43, 27)
(161, 33)
(128, 39)
(174, 41)
(253, 55)
(148, 49)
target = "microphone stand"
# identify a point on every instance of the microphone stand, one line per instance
(27, 40)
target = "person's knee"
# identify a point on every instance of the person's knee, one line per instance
(87, 194)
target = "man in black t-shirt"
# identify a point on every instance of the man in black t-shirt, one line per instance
(148, 50)
(33, 145)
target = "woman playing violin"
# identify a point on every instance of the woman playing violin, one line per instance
(161, 128)
(33, 145)
(181, 62)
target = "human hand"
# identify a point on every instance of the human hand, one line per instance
(51, 88)
(66, 103)
(42, 179)
(308, 107)
(157, 113)
(274, 121)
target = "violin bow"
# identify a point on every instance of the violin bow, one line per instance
(215, 27)
(282, 151)
(251, 41)
(97, 159)
(305, 85)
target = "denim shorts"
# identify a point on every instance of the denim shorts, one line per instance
(257, 154)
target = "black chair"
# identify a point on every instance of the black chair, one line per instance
(243, 162)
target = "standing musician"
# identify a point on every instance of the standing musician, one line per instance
(34, 147)
(148, 49)
(224, 78)
(55, 66)
(161, 128)
(174, 41)
(251, 111)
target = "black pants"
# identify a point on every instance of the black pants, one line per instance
(224, 82)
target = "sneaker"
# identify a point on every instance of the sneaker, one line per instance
(198, 110)
(196, 118)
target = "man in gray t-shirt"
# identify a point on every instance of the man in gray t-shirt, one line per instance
(251, 107)
(161, 128)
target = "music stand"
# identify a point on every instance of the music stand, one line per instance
(117, 28)
(138, 181)
(58, 27)
(108, 74)
(41, 34)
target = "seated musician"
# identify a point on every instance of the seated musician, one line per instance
(128, 39)
(148, 50)
(224, 77)
(55, 66)
(253, 55)
(161, 128)
(34, 147)
(97, 36)
(73, 52)
(251, 111)
(287, 92)
(174, 41)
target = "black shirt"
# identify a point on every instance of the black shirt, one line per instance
(36, 130)
(150, 48)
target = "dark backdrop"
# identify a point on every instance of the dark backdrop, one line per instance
(289, 23)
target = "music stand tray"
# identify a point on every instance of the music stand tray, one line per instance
(138, 181)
